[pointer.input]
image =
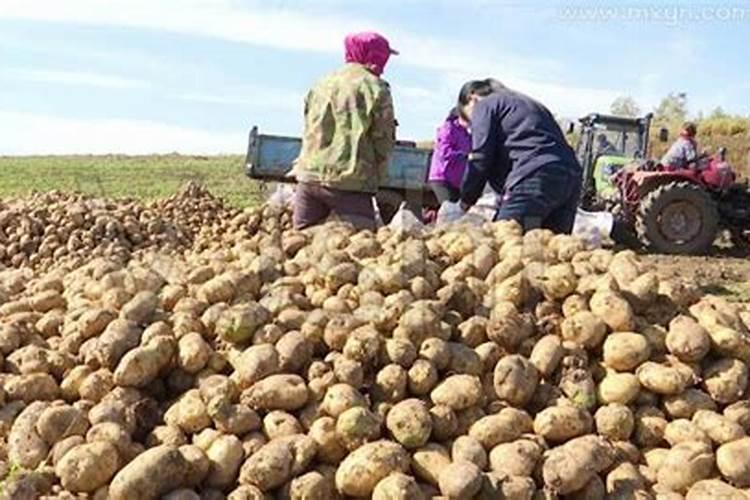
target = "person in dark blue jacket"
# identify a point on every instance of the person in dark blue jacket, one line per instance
(520, 150)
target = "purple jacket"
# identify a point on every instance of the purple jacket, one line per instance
(452, 147)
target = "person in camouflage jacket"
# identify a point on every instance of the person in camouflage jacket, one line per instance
(348, 137)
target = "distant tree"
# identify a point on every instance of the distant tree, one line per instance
(718, 112)
(672, 110)
(625, 106)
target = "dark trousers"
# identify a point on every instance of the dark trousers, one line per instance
(548, 199)
(313, 203)
(444, 192)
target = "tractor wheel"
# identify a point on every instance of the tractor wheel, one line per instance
(677, 218)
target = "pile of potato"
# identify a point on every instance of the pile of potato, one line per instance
(461, 363)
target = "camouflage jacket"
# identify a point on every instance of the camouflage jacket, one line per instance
(349, 131)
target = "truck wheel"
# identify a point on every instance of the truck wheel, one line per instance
(677, 218)
(388, 204)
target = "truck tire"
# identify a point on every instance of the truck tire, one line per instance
(677, 218)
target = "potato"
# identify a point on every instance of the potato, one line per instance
(357, 426)
(188, 413)
(87, 467)
(166, 434)
(400, 352)
(507, 326)
(515, 380)
(613, 309)
(460, 480)
(547, 354)
(140, 366)
(473, 331)
(429, 461)
(622, 388)
(569, 467)
(584, 328)
(330, 448)
(59, 422)
(238, 323)
(277, 392)
(732, 460)
(225, 456)
(624, 351)
(469, 449)
(151, 474)
(578, 386)
(255, 363)
(140, 308)
(397, 486)
(444, 422)
(685, 464)
(422, 377)
(687, 339)
(718, 427)
(685, 404)
(464, 360)
(726, 380)
(361, 470)
(390, 384)
(516, 458)
(25, 446)
(650, 426)
(739, 413)
(437, 352)
(614, 421)
(410, 424)
(458, 392)
(31, 387)
(193, 352)
(713, 488)
(663, 379)
(341, 397)
(118, 337)
(502, 427)
(683, 430)
(560, 423)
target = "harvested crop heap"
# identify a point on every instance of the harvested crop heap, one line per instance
(461, 363)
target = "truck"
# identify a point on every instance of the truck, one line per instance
(271, 158)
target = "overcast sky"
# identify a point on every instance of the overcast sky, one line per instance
(142, 76)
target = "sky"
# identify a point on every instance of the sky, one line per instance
(193, 76)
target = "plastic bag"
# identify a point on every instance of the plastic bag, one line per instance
(593, 227)
(449, 212)
(283, 195)
(405, 220)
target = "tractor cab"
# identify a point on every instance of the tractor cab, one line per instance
(607, 143)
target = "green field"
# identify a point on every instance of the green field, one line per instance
(117, 176)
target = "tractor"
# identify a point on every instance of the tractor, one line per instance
(664, 210)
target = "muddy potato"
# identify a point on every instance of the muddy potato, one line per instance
(517, 458)
(613, 309)
(502, 427)
(507, 326)
(357, 426)
(278, 424)
(422, 377)
(584, 328)
(624, 351)
(460, 480)
(25, 446)
(330, 448)
(87, 467)
(444, 422)
(650, 426)
(725, 380)
(390, 384)
(151, 474)
(614, 421)
(733, 461)
(341, 397)
(364, 468)
(409, 422)
(713, 488)
(397, 486)
(683, 430)
(685, 404)
(515, 380)
(277, 392)
(59, 422)
(718, 427)
(400, 352)
(560, 423)
(685, 464)
(458, 392)
(739, 413)
(687, 339)
(468, 449)
(663, 379)
(567, 468)
(547, 354)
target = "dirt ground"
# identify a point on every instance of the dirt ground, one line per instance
(721, 273)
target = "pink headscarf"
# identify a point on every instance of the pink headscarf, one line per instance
(369, 49)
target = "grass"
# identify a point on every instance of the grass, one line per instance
(142, 177)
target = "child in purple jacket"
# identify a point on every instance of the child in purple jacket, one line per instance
(452, 147)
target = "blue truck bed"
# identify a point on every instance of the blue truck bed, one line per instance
(271, 157)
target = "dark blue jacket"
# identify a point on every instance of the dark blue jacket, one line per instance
(512, 136)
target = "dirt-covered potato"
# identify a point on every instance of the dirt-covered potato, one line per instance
(469, 449)
(624, 351)
(87, 467)
(428, 462)
(739, 412)
(341, 397)
(613, 309)
(614, 421)
(422, 377)
(726, 380)
(622, 388)
(560, 423)
(517, 458)
(397, 486)
(365, 467)
(685, 464)
(460, 480)
(713, 488)
(687, 339)
(410, 423)
(357, 426)
(151, 474)
(515, 379)
(458, 392)
(277, 392)
(685, 404)
(683, 430)
(718, 427)
(547, 354)
(502, 427)
(584, 328)
(733, 462)
(664, 379)
(567, 468)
